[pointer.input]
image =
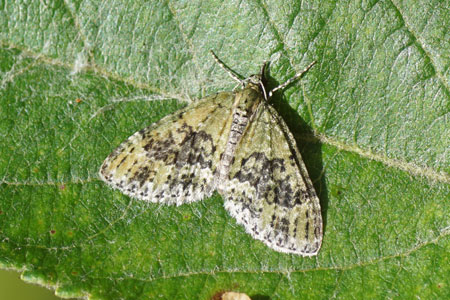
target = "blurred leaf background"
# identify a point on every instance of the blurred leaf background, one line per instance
(371, 120)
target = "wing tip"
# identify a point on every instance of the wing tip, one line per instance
(302, 247)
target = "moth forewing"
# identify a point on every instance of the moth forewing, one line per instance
(172, 161)
(267, 191)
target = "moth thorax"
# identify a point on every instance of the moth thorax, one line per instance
(249, 98)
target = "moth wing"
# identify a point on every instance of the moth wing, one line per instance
(269, 190)
(173, 160)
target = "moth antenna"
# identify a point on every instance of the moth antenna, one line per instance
(230, 72)
(290, 80)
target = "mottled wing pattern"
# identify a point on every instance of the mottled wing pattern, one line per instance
(269, 190)
(173, 160)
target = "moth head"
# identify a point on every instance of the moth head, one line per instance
(258, 81)
(255, 79)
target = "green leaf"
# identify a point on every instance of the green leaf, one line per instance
(371, 120)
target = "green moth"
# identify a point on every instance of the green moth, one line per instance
(234, 143)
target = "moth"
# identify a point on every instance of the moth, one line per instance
(234, 143)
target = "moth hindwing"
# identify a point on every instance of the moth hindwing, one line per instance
(234, 143)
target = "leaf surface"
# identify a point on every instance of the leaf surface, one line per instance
(371, 120)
